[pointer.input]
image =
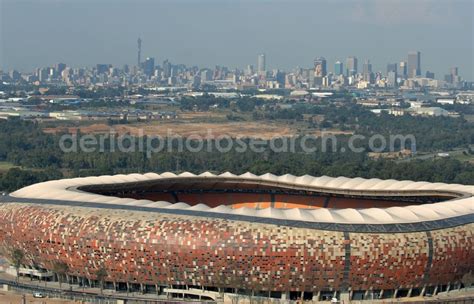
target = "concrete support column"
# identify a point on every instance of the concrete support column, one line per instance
(395, 293)
(345, 297)
(423, 290)
(381, 294)
(316, 295)
(448, 288)
(435, 290)
(409, 292)
(285, 295)
(366, 294)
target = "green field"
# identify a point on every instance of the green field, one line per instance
(5, 166)
(464, 157)
(459, 154)
(469, 118)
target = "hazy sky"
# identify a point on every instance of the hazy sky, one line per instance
(207, 33)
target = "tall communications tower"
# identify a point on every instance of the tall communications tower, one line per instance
(139, 41)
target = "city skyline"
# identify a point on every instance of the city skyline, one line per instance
(408, 67)
(232, 37)
(404, 62)
(407, 73)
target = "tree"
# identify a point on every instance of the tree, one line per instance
(221, 281)
(17, 256)
(60, 269)
(101, 274)
(468, 279)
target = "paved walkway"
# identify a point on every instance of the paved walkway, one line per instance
(66, 289)
(463, 296)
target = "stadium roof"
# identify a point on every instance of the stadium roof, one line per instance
(461, 205)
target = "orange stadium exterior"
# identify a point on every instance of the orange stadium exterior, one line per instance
(280, 236)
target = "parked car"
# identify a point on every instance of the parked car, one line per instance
(38, 295)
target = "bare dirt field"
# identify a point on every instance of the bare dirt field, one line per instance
(233, 129)
(201, 115)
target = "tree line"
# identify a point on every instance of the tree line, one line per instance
(39, 157)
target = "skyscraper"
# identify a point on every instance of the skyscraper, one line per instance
(139, 57)
(454, 71)
(102, 68)
(320, 69)
(351, 64)
(338, 68)
(403, 69)
(367, 71)
(149, 66)
(206, 75)
(261, 65)
(414, 64)
(455, 75)
(391, 67)
(249, 70)
(166, 68)
(60, 67)
(392, 79)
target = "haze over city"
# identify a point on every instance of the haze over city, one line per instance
(252, 151)
(231, 33)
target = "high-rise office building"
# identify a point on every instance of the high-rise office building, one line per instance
(414, 64)
(43, 75)
(391, 67)
(454, 71)
(261, 64)
(430, 75)
(320, 69)
(206, 75)
(367, 71)
(392, 79)
(102, 68)
(279, 77)
(149, 66)
(338, 68)
(60, 68)
(15, 75)
(403, 69)
(249, 70)
(351, 64)
(166, 68)
(139, 56)
(455, 75)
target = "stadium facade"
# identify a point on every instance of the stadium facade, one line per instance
(283, 236)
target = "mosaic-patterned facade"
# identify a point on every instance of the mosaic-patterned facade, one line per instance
(154, 248)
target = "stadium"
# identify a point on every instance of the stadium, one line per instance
(283, 237)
